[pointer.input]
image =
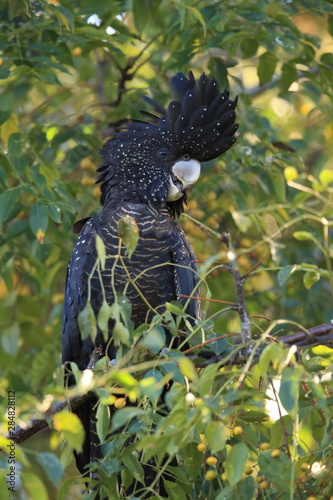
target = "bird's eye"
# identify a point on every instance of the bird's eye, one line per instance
(163, 153)
(186, 157)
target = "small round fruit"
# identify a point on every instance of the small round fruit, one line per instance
(290, 173)
(1, 61)
(87, 181)
(77, 51)
(264, 446)
(211, 461)
(198, 402)
(202, 447)
(260, 479)
(265, 485)
(96, 192)
(275, 453)
(305, 467)
(86, 164)
(120, 403)
(311, 498)
(248, 470)
(224, 477)
(210, 475)
(238, 430)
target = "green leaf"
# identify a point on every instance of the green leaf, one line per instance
(152, 385)
(310, 278)
(66, 17)
(101, 250)
(121, 334)
(216, 436)
(4, 73)
(72, 428)
(288, 75)
(192, 460)
(249, 47)
(55, 213)
(7, 203)
(289, 388)
(124, 415)
(154, 339)
(39, 219)
(5, 487)
(187, 367)
(10, 339)
(206, 379)
(133, 465)
(125, 309)
(34, 486)
(87, 322)
(271, 354)
(196, 13)
(4, 116)
(302, 235)
(277, 471)
(327, 58)
(174, 491)
(285, 273)
(170, 323)
(286, 21)
(51, 465)
(128, 233)
(104, 315)
(266, 67)
(15, 144)
(103, 421)
(279, 184)
(235, 463)
(243, 222)
(330, 24)
(175, 308)
(141, 14)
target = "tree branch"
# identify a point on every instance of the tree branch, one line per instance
(36, 424)
(318, 335)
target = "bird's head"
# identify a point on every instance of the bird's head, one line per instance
(157, 160)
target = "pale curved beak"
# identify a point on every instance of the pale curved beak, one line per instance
(183, 175)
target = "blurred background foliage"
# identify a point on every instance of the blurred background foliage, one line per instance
(72, 71)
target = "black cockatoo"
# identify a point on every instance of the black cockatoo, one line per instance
(147, 169)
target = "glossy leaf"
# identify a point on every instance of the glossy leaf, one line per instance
(39, 219)
(103, 421)
(7, 201)
(235, 463)
(266, 68)
(216, 436)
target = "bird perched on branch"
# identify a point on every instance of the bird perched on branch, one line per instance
(147, 168)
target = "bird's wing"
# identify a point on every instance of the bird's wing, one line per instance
(82, 261)
(186, 273)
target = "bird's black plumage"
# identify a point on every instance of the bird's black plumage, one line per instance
(146, 169)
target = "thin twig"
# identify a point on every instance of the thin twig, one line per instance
(208, 300)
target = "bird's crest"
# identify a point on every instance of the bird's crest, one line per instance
(200, 118)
